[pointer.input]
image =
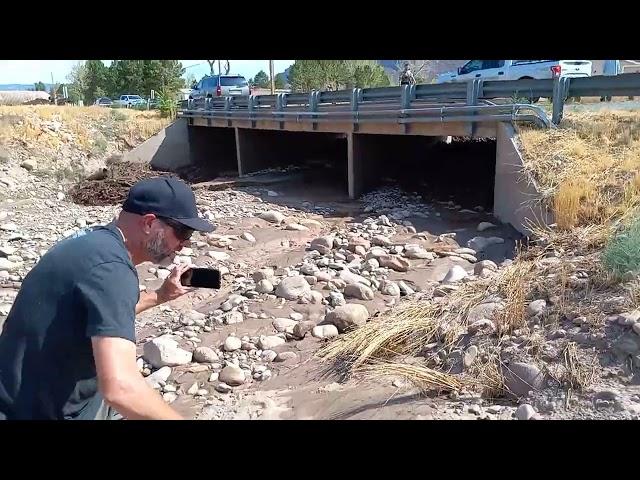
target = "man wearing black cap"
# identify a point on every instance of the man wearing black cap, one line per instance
(68, 349)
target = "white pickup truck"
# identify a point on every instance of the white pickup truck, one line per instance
(517, 70)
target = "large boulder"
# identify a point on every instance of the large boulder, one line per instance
(164, 352)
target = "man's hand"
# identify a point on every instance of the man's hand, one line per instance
(172, 288)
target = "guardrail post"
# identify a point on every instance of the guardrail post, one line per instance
(227, 109)
(355, 104)
(279, 108)
(560, 90)
(251, 105)
(474, 88)
(313, 107)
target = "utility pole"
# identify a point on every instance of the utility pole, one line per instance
(219, 69)
(273, 84)
(53, 91)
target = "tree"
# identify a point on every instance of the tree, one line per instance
(261, 79)
(280, 81)
(77, 82)
(211, 64)
(95, 85)
(306, 75)
(40, 87)
(190, 81)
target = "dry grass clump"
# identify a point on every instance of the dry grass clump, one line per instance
(588, 169)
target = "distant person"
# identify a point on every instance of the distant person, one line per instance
(406, 76)
(610, 68)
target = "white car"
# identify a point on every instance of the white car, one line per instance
(517, 70)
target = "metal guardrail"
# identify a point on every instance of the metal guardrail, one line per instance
(467, 102)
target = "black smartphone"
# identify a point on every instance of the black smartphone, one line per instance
(201, 278)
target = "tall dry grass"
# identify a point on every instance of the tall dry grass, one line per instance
(589, 168)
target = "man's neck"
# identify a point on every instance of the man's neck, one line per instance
(126, 244)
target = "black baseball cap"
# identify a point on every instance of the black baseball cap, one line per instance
(167, 197)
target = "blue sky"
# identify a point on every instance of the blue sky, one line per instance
(31, 71)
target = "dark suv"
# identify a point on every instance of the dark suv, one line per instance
(221, 86)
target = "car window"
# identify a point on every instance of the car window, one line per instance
(492, 64)
(233, 82)
(471, 66)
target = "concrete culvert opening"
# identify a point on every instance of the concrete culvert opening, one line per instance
(319, 159)
(212, 153)
(462, 170)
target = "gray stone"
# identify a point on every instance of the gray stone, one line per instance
(484, 265)
(324, 331)
(455, 274)
(164, 351)
(218, 256)
(482, 311)
(324, 245)
(233, 317)
(263, 274)
(205, 355)
(284, 356)
(521, 378)
(284, 324)
(381, 241)
(417, 252)
(223, 388)
(296, 316)
(482, 226)
(159, 377)
(169, 397)
(336, 299)
(270, 342)
(269, 355)
(292, 288)
(264, 286)
(525, 412)
(300, 329)
(347, 316)
(272, 216)
(536, 307)
(359, 291)
(296, 227)
(29, 165)
(482, 324)
(248, 237)
(481, 243)
(353, 278)
(470, 356)
(309, 269)
(405, 289)
(391, 288)
(314, 297)
(193, 389)
(629, 318)
(232, 375)
(231, 344)
(394, 262)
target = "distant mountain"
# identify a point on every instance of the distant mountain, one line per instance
(21, 86)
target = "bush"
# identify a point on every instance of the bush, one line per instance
(118, 115)
(622, 253)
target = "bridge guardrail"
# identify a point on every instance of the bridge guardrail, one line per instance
(400, 102)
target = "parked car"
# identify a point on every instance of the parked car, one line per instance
(221, 86)
(130, 101)
(103, 102)
(517, 70)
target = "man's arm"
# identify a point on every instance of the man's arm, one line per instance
(170, 290)
(122, 385)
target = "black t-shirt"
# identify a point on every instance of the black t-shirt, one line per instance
(82, 287)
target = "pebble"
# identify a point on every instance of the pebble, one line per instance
(336, 299)
(205, 355)
(232, 375)
(231, 344)
(269, 342)
(292, 288)
(284, 356)
(525, 412)
(269, 355)
(536, 307)
(296, 227)
(470, 356)
(455, 274)
(324, 331)
(359, 291)
(164, 351)
(248, 237)
(264, 286)
(223, 388)
(272, 216)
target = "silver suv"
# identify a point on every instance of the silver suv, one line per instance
(221, 86)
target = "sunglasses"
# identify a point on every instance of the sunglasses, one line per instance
(182, 232)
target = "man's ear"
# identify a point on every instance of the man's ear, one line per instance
(146, 222)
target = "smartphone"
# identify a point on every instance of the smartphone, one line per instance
(201, 278)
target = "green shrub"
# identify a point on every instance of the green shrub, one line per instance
(622, 252)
